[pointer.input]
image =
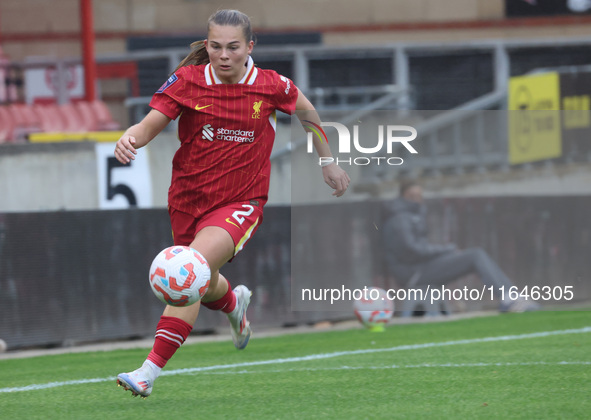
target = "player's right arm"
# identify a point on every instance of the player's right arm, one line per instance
(139, 135)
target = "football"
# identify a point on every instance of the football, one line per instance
(179, 276)
(374, 310)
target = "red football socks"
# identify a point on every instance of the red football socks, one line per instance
(226, 303)
(171, 333)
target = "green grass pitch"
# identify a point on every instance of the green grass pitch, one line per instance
(514, 366)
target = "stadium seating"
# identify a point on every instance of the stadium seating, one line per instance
(50, 117)
(6, 125)
(25, 121)
(17, 121)
(104, 118)
(87, 115)
(75, 121)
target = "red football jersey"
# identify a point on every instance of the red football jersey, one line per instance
(226, 132)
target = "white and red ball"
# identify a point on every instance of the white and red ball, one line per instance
(179, 276)
(374, 310)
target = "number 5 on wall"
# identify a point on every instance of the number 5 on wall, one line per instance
(124, 190)
(122, 186)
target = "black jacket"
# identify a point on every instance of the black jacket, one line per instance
(405, 239)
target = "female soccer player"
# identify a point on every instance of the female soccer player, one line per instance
(221, 171)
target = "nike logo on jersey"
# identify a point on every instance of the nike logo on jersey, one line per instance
(199, 108)
(231, 222)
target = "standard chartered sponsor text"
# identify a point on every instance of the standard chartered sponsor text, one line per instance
(240, 136)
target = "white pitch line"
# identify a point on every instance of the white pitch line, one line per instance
(320, 356)
(422, 365)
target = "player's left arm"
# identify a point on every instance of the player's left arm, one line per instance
(334, 175)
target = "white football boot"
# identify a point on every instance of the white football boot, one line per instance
(240, 326)
(140, 381)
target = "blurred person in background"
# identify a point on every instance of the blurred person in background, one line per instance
(220, 178)
(415, 262)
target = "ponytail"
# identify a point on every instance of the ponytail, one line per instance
(197, 56)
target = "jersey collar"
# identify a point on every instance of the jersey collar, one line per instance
(249, 77)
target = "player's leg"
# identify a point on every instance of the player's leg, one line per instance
(240, 221)
(234, 304)
(175, 324)
(217, 245)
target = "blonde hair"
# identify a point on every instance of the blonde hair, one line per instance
(227, 17)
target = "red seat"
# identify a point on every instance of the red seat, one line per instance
(74, 123)
(50, 117)
(6, 126)
(25, 121)
(104, 118)
(88, 114)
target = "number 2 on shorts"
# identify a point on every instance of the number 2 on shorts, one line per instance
(238, 214)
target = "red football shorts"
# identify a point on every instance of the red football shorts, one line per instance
(240, 220)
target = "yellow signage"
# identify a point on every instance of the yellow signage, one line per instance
(534, 118)
(576, 111)
(94, 136)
